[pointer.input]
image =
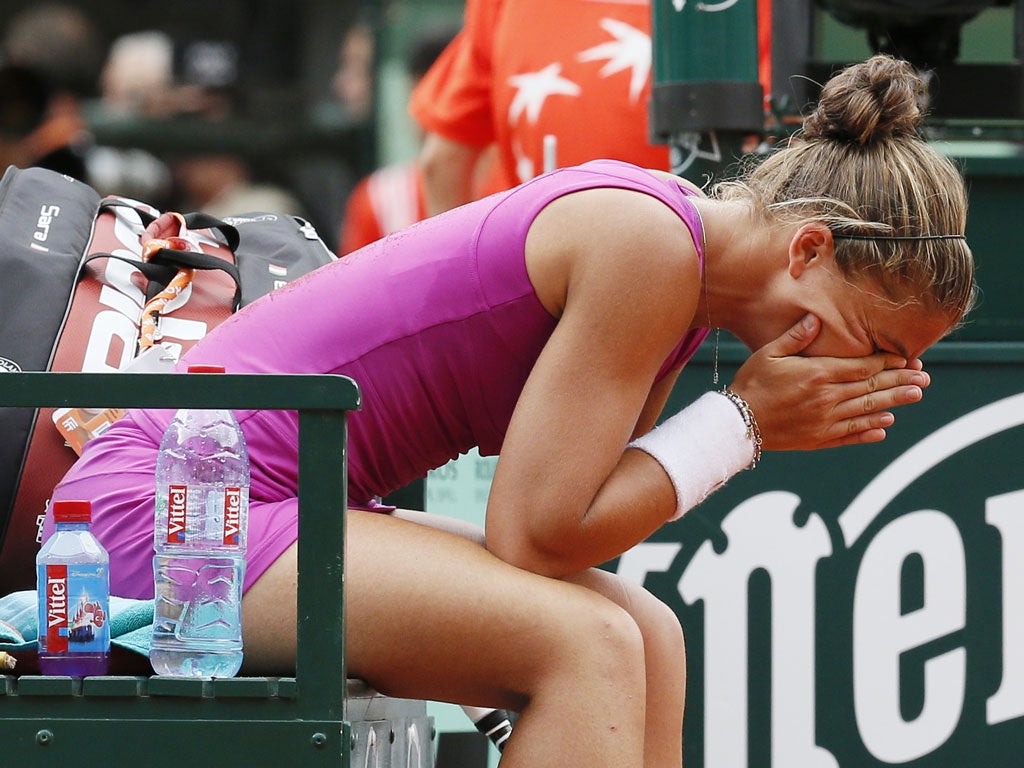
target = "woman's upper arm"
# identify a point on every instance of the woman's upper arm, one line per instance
(632, 285)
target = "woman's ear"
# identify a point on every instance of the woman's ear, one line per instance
(810, 246)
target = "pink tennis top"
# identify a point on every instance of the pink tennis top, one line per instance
(439, 326)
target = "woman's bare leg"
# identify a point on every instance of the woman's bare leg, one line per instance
(433, 615)
(664, 647)
(665, 658)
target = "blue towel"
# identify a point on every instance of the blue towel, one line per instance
(131, 622)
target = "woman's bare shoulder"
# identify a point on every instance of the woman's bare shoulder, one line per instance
(613, 241)
(678, 180)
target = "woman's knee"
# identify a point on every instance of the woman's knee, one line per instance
(660, 624)
(601, 639)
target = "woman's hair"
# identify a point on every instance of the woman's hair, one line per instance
(860, 165)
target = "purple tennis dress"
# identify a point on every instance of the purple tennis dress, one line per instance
(439, 326)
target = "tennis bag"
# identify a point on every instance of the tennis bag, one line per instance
(75, 291)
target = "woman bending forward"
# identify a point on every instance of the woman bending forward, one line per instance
(549, 323)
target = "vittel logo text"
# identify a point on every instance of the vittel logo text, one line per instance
(177, 513)
(232, 515)
(888, 631)
(56, 609)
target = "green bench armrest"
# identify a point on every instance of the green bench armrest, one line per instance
(322, 402)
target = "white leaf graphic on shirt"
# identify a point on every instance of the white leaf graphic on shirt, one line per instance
(532, 88)
(525, 169)
(631, 49)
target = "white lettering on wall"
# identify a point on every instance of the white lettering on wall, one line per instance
(895, 725)
(1005, 513)
(882, 632)
(944, 442)
(762, 535)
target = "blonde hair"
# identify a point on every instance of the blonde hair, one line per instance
(860, 166)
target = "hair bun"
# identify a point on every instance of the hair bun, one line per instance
(874, 100)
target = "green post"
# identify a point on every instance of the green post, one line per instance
(706, 99)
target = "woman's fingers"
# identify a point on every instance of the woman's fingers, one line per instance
(868, 428)
(826, 402)
(864, 417)
(860, 370)
(795, 340)
(806, 403)
(887, 390)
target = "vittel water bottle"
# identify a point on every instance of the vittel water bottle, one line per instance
(202, 511)
(73, 586)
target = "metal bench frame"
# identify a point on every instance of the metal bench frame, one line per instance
(159, 721)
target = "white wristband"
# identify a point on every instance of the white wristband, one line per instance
(700, 448)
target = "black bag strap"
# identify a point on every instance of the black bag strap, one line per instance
(201, 220)
(113, 202)
(197, 220)
(164, 264)
(157, 274)
(198, 260)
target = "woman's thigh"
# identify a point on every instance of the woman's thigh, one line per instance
(430, 614)
(653, 616)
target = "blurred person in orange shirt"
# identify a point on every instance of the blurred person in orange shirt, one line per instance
(521, 70)
(391, 197)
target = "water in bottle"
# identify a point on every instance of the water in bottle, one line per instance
(202, 508)
(73, 588)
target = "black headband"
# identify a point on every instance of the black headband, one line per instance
(898, 237)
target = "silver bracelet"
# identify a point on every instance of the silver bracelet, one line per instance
(753, 433)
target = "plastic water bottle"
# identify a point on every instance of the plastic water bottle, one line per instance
(202, 511)
(73, 586)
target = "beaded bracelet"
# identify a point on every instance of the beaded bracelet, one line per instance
(753, 433)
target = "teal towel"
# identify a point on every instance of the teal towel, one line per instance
(131, 622)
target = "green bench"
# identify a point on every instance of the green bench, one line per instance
(317, 718)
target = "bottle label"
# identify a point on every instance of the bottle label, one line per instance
(232, 515)
(177, 513)
(74, 602)
(202, 516)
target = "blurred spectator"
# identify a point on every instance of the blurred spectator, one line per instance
(140, 80)
(52, 53)
(391, 197)
(55, 65)
(221, 184)
(24, 99)
(522, 70)
(60, 43)
(137, 76)
(135, 82)
(353, 81)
